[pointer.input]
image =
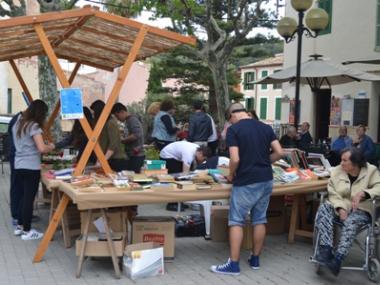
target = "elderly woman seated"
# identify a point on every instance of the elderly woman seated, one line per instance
(350, 187)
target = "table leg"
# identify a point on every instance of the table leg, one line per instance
(84, 242)
(53, 202)
(66, 230)
(111, 245)
(44, 244)
(293, 219)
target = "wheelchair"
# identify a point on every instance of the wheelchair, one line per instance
(371, 262)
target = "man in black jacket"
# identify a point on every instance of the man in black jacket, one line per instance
(200, 127)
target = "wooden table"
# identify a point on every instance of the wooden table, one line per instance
(112, 197)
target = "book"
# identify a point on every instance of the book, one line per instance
(186, 185)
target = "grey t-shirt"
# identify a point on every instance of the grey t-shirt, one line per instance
(27, 154)
(135, 127)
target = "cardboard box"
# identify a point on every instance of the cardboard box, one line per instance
(99, 247)
(117, 220)
(143, 260)
(276, 217)
(219, 226)
(155, 229)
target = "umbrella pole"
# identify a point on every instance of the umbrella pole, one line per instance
(300, 29)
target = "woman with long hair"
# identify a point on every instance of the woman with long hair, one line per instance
(29, 145)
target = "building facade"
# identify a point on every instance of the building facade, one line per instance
(353, 34)
(265, 99)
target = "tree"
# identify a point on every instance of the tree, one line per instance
(13, 9)
(226, 23)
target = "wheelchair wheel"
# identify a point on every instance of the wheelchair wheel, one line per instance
(373, 270)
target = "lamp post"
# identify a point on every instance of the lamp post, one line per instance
(316, 20)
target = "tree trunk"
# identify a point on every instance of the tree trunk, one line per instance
(47, 82)
(222, 98)
(47, 79)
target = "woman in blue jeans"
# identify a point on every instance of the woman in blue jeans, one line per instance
(29, 144)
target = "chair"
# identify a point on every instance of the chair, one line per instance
(371, 262)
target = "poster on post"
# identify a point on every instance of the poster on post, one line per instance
(71, 103)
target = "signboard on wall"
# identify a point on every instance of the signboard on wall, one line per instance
(361, 111)
(347, 111)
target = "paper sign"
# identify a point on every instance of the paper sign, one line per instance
(71, 104)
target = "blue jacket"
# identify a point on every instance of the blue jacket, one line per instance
(159, 130)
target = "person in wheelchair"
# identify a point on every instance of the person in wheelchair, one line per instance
(350, 187)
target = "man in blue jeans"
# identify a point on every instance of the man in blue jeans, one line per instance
(253, 146)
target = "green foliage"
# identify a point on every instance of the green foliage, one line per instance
(151, 153)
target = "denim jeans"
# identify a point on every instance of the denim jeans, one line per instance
(253, 198)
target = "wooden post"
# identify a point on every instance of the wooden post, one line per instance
(293, 219)
(21, 80)
(111, 100)
(51, 228)
(66, 84)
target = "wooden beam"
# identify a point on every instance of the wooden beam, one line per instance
(77, 25)
(46, 17)
(74, 72)
(112, 98)
(85, 62)
(21, 80)
(66, 84)
(152, 30)
(44, 244)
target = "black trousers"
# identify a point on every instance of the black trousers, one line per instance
(161, 144)
(134, 163)
(118, 164)
(27, 182)
(173, 165)
(213, 146)
(14, 199)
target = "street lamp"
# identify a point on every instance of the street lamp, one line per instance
(316, 20)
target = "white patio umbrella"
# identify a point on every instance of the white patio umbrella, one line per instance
(318, 72)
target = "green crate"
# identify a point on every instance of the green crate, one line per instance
(155, 164)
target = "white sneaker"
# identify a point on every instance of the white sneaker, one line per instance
(31, 235)
(18, 231)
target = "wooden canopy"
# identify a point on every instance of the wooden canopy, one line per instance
(85, 36)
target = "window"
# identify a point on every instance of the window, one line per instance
(249, 103)
(264, 73)
(277, 85)
(327, 6)
(277, 114)
(263, 108)
(248, 78)
(9, 107)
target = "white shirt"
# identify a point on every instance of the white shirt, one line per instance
(214, 135)
(180, 150)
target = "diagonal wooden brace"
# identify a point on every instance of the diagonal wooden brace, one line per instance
(111, 100)
(66, 84)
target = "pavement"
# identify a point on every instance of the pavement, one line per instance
(281, 263)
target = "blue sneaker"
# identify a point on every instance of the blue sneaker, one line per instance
(254, 262)
(229, 268)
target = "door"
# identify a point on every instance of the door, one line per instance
(322, 111)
